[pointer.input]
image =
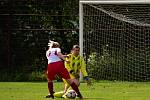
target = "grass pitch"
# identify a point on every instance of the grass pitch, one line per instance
(100, 91)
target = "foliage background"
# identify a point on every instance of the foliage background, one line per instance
(26, 26)
(25, 29)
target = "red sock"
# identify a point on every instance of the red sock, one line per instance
(50, 88)
(75, 87)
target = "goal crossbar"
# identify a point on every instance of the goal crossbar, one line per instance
(116, 2)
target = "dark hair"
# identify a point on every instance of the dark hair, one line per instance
(56, 45)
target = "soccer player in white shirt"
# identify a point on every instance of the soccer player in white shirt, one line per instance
(56, 67)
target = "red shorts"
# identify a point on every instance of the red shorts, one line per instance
(57, 68)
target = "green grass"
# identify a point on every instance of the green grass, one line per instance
(100, 91)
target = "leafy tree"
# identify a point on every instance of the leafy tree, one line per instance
(31, 24)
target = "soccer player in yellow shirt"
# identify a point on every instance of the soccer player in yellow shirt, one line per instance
(75, 66)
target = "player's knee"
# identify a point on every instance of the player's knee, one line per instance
(76, 82)
(49, 80)
(70, 81)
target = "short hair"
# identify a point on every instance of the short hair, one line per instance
(75, 46)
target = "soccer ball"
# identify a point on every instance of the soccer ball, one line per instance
(71, 94)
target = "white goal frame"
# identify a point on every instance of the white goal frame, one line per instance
(81, 2)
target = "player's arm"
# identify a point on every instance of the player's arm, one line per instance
(50, 44)
(61, 56)
(84, 72)
(67, 64)
(83, 67)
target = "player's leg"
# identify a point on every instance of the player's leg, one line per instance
(67, 86)
(76, 81)
(65, 74)
(57, 68)
(50, 88)
(59, 94)
(74, 87)
(50, 77)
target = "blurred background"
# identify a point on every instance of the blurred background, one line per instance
(116, 38)
(25, 29)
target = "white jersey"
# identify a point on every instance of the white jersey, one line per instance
(52, 56)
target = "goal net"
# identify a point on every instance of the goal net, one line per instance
(115, 39)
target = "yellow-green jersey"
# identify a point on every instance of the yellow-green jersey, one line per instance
(76, 64)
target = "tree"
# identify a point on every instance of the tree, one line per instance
(31, 24)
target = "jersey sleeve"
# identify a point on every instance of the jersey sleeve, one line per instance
(58, 50)
(83, 67)
(67, 65)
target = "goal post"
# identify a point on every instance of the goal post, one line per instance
(114, 39)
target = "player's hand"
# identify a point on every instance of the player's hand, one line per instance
(50, 41)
